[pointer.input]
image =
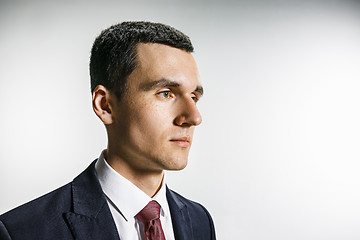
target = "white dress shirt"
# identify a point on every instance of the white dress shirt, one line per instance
(125, 200)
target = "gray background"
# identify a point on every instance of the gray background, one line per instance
(277, 155)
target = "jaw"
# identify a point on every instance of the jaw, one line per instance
(177, 159)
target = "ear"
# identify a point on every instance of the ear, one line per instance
(101, 104)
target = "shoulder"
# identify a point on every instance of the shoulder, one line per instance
(45, 217)
(199, 216)
(50, 204)
(42, 205)
(191, 205)
(29, 218)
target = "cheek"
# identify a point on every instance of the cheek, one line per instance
(151, 121)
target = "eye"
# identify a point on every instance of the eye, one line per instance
(165, 94)
(195, 98)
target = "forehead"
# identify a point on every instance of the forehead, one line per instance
(158, 61)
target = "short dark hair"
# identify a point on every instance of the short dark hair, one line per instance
(113, 55)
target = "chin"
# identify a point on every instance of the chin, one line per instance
(176, 165)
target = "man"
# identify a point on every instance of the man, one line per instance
(145, 85)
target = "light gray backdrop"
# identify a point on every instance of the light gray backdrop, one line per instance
(277, 155)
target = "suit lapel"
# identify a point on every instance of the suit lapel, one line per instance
(180, 217)
(91, 217)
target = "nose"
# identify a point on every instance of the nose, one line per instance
(189, 114)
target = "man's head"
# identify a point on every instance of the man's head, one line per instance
(113, 55)
(150, 125)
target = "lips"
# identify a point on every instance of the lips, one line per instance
(182, 141)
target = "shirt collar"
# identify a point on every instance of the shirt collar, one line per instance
(127, 197)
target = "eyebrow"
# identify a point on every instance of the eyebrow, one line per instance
(199, 90)
(167, 83)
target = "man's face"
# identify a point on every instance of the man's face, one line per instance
(153, 123)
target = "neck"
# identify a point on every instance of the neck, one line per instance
(148, 181)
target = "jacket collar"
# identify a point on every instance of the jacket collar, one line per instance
(179, 216)
(91, 217)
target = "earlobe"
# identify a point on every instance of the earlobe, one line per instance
(101, 104)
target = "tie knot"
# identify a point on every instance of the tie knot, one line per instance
(150, 212)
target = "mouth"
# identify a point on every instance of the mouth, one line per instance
(182, 142)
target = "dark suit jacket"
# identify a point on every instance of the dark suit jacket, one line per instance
(79, 210)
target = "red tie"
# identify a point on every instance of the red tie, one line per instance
(150, 217)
